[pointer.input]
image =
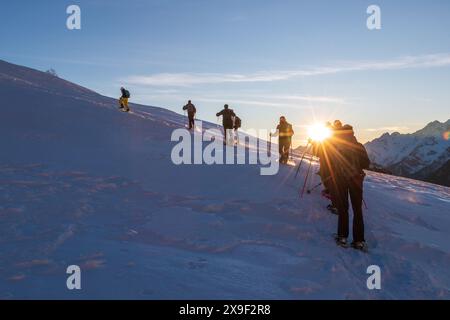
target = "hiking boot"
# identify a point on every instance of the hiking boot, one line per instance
(359, 245)
(341, 241)
(332, 209)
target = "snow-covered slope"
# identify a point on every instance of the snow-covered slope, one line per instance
(417, 155)
(84, 184)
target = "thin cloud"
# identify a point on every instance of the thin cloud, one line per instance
(280, 98)
(259, 103)
(190, 79)
(308, 98)
(386, 129)
(274, 101)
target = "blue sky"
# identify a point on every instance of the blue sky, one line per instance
(307, 60)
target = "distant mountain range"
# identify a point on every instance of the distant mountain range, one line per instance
(423, 155)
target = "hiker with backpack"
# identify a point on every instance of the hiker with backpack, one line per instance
(348, 159)
(227, 122)
(284, 133)
(236, 125)
(191, 110)
(123, 101)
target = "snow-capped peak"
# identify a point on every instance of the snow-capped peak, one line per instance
(415, 155)
(434, 129)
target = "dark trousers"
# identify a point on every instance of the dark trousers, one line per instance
(227, 129)
(284, 144)
(342, 188)
(191, 117)
(328, 185)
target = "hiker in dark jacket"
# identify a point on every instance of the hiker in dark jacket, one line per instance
(227, 122)
(284, 133)
(191, 110)
(348, 159)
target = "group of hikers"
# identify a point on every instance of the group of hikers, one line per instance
(230, 121)
(342, 162)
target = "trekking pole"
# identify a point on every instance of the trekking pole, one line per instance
(184, 113)
(270, 144)
(306, 178)
(313, 188)
(301, 160)
(290, 153)
(318, 185)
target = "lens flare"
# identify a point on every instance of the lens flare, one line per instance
(446, 135)
(319, 132)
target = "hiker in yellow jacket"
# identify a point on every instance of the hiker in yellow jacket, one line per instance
(123, 101)
(284, 133)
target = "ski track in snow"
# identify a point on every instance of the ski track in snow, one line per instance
(103, 194)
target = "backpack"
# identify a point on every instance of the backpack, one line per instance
(348, 157)
(364, 161)
(285, 130)
(127, 94)
(354, 159)
(237, 122)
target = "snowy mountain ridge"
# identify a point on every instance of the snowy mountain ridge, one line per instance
(84, 184)
(417, 155)
(30, 78)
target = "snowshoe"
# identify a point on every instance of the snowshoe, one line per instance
(360, 245)
(341, 241)
(326, 194)
(332, 209)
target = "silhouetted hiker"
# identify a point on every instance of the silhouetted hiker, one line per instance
(348, 160)
(322, 151)
(191, 110)
(123, 101)
(284, 133)
(237, 124)
(337, 125)
(227, 121)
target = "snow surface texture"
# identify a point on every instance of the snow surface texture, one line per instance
(82, 183)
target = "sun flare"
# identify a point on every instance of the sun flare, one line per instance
(318, 132)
